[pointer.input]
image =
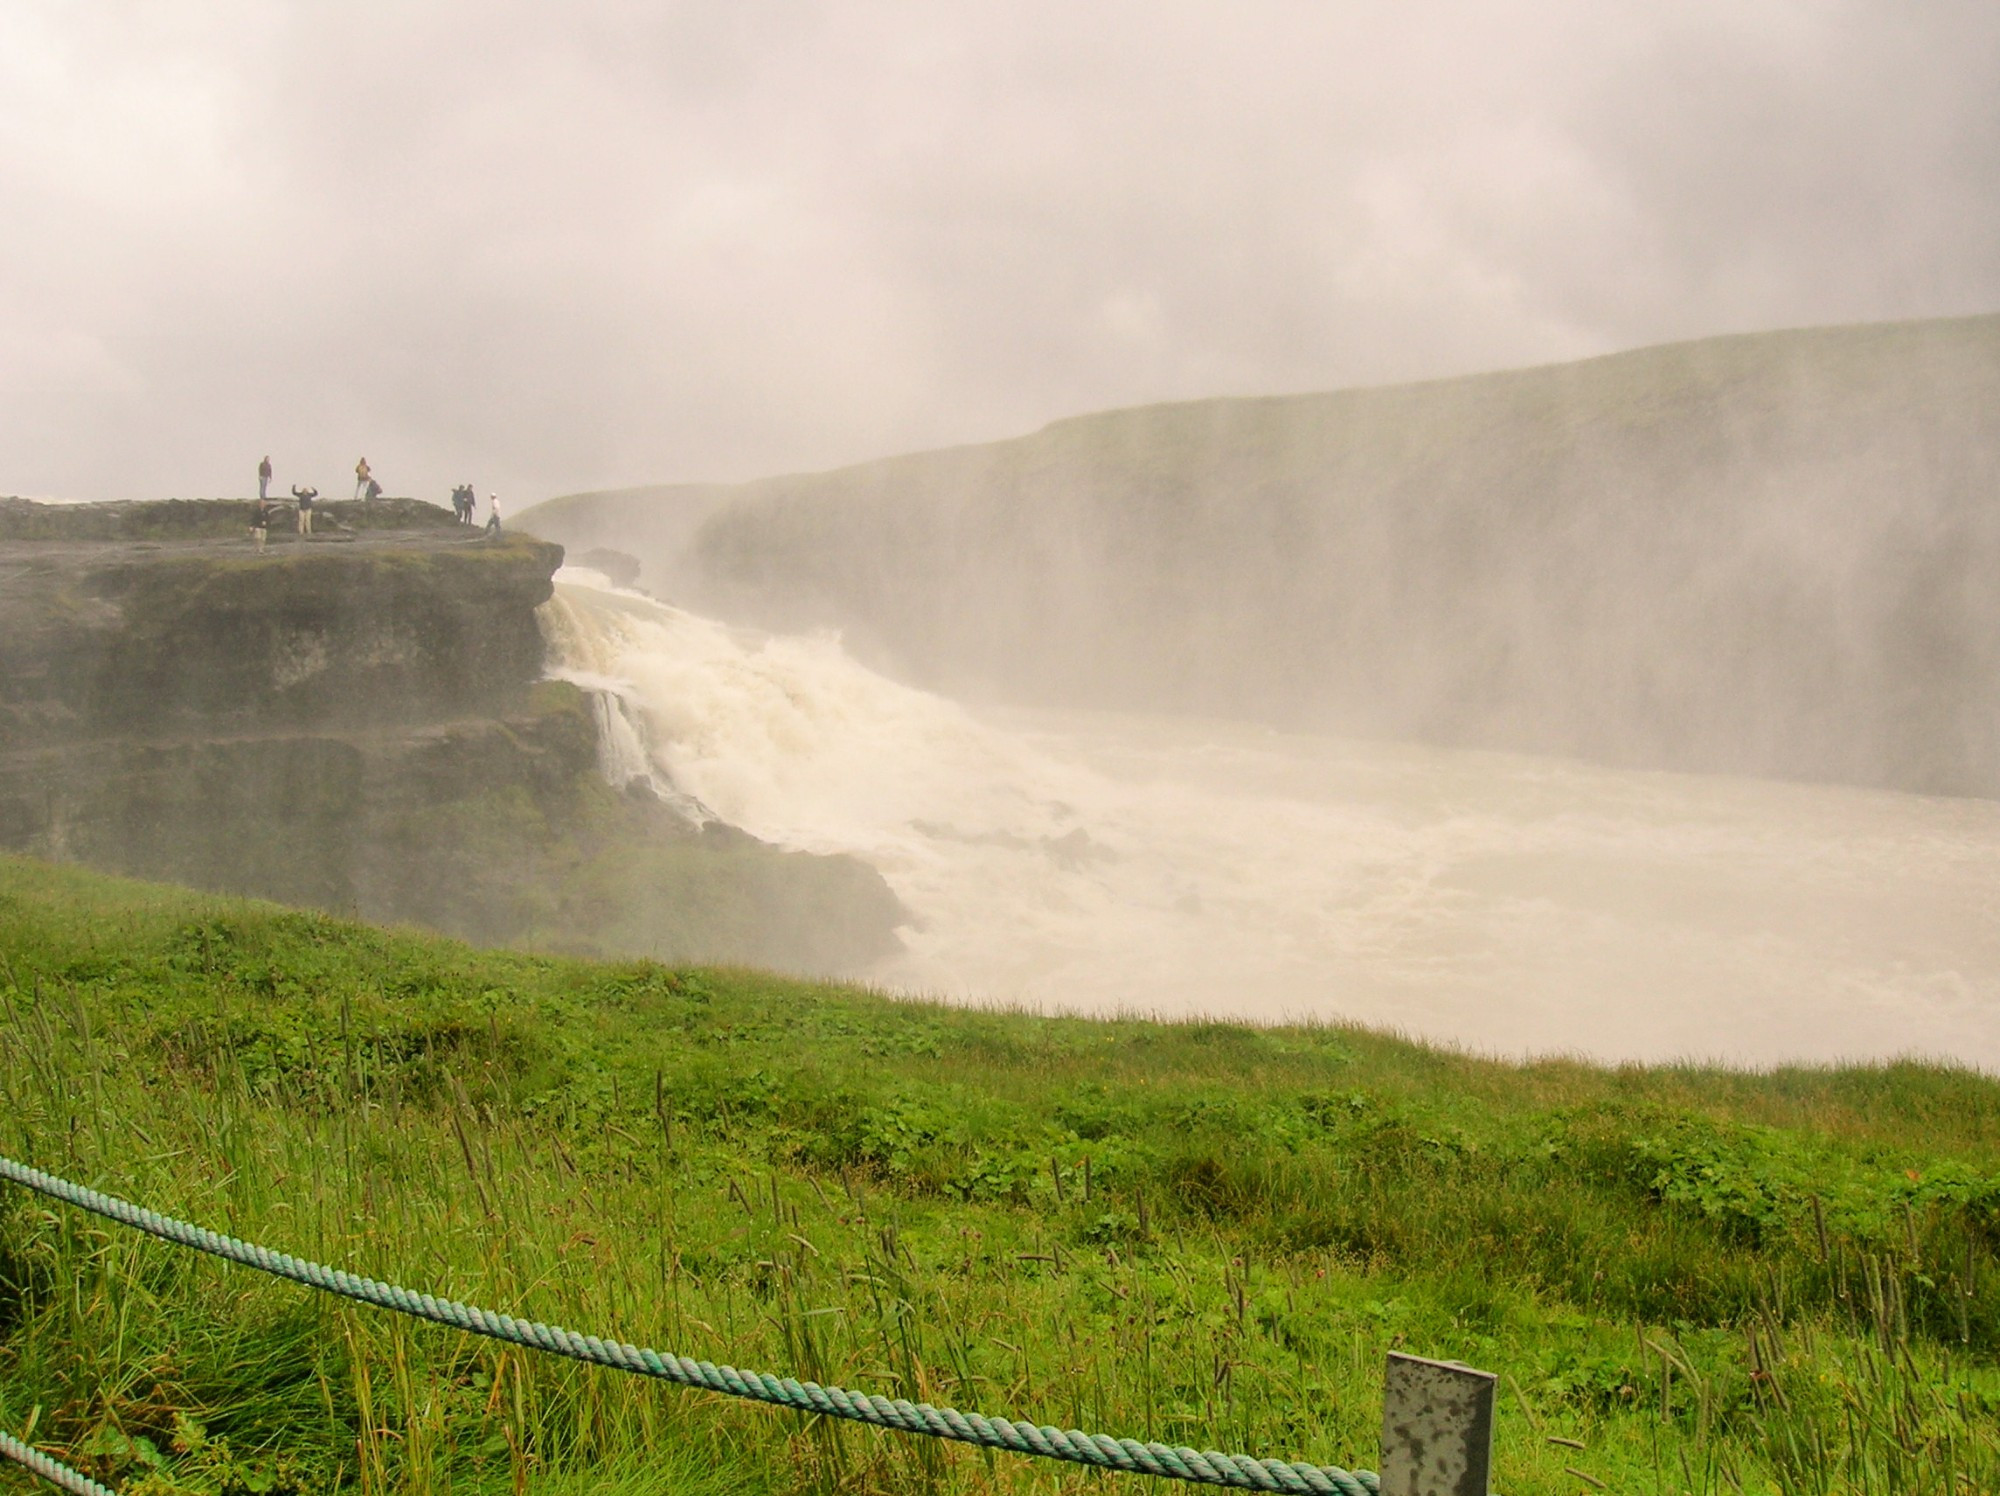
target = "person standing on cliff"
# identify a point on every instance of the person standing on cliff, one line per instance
(305, 496)
(493, 515)
(361, 476)
(264, 480)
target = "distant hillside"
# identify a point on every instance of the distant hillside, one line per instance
(1772, 554)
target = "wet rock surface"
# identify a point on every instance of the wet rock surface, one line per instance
(208, 634)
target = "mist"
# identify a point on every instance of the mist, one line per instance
(1355, 705)
(547, 251)
(1229, 636)
(1766, 554)
(1119, 862)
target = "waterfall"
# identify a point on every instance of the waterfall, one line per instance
(623, 758)
(1515, 903)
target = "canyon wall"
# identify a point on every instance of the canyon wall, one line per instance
(359, 723)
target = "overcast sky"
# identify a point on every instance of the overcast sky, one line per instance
(550, 247)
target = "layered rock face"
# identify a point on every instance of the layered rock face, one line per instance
(358, 723)
(104, 638)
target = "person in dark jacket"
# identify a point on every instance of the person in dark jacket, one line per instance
(264, 480)
(306, 498)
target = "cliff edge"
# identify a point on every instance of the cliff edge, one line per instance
(357, 722)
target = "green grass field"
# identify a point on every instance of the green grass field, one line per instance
(1691, 1280)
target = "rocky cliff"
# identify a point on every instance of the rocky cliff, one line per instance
(358, 722)
(201, 637)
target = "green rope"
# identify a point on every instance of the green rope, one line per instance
(1209, 1467)
(53, 1471)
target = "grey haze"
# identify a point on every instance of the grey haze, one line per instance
(549, 248)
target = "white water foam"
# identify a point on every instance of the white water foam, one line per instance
(1092, 862)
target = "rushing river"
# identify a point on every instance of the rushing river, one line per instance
(1096, 863)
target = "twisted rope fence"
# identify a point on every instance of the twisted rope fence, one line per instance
(54, 1472)
(1100, 1451)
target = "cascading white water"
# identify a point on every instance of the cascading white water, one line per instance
(1099, 862)
(621, 742)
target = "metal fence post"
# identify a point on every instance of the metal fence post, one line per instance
(1437, 1427)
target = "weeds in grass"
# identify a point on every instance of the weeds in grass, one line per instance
(1694, 1281)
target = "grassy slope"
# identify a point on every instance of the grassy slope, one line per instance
(892, 1195)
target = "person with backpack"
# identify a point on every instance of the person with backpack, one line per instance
(361, 477)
